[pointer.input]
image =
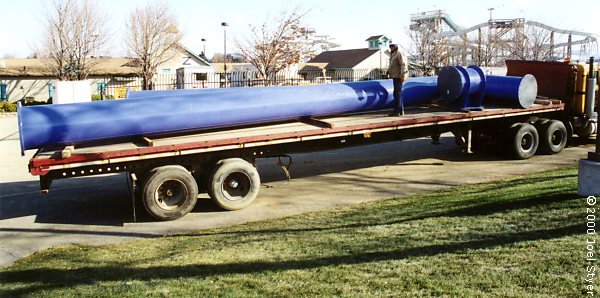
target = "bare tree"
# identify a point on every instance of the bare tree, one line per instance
(75, 33)
(275, 45)
(430, 51)
(151, 39)
(532, 43)
(233, 57)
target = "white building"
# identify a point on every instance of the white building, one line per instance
(354, 64)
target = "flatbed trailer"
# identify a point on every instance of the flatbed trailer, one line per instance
(168, 172)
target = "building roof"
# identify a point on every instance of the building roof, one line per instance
(311, 66)
(342, 58)
(232, 66)
(194, 55)
(376, 37)
(18, 67)
(106, 66)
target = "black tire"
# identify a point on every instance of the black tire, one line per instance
(234, 184)
(524, 141)
(587, 131)
(169, 192)
(553, 137)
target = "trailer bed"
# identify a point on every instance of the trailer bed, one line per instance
(48, 160)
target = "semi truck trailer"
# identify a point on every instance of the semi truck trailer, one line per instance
(167, 172)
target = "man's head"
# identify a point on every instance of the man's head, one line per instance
(393, 47)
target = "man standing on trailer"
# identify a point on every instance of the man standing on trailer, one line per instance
(398, 71)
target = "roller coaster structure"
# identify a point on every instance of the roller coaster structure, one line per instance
(490, 43)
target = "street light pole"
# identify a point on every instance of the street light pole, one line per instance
(380, 56)
(380, 60)
(225, 24)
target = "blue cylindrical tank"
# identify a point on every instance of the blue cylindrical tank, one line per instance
(520, 91)
(72, 124)
(456, 82)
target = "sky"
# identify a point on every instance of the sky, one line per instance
(350, 22)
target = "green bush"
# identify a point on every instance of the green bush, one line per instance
(7, 107)
(96, 97)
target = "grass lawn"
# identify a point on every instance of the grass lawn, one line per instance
(524, 237)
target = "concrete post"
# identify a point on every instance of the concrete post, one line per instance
(589, 169)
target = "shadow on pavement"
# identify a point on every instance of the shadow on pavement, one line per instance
(101, 201)
(105, 200)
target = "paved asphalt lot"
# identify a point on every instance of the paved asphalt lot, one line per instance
(97, 210)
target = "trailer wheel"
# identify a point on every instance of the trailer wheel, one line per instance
(234, 184)
(553, 137)
(586, 131)
(524, 140)
(169, 192)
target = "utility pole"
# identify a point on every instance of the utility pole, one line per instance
(225, 24)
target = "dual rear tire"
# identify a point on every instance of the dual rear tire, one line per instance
(170, 192)
(525, 139)
(234, 184)
(553, 137)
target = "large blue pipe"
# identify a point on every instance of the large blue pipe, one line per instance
(416, 90)
(467, 83)
(519, 91)
(72, 124)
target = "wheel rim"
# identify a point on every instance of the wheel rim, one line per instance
(557, 138)
(527, 142)
(236, 186)
(171, 194)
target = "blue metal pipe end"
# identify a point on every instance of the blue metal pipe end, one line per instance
(511, 90)
(450, 83)
(464, 84)
(527, 91)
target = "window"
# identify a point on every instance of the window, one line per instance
(166, 70)
(201, 76)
